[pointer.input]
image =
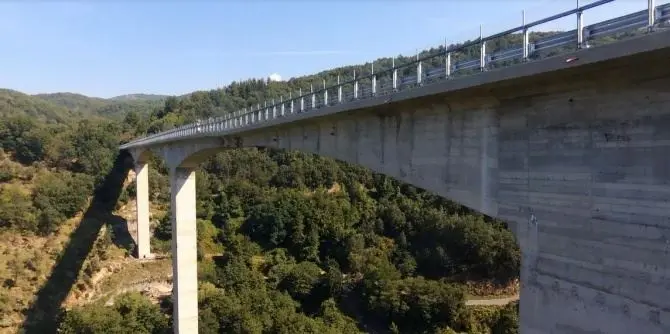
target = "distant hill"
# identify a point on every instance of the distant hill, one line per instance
(114, 107)
(118, 108)
(63, 107)
(13, 103)
(74, 102)
(136, 97)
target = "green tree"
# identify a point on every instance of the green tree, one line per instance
(131, 313)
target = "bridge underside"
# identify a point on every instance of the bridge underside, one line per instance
(576, 159)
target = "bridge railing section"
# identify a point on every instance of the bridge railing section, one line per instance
(412, 74)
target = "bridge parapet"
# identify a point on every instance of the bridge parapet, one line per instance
(388, 82)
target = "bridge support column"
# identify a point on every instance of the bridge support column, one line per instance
(184, 260)
(143, 235)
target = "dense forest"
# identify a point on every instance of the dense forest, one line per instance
(287, 242)
(298, 243)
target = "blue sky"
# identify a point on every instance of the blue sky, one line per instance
(107, 48)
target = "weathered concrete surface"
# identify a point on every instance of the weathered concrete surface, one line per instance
(184, 251)
(576, 159)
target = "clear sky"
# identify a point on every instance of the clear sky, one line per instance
(107, 48)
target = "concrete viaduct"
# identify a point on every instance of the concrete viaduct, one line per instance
(573, 151)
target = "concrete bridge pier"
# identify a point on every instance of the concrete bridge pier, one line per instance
(143, 237)
(184, 250)
(183, 222)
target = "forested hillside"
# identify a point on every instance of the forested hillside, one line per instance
(139, 97)
(288, 242)
(69, 107)
(114, 108)
(13, 103)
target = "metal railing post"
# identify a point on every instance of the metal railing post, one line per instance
(447, 60)
(355, 86)
(311, 90)
(524, 46)
(281, 100)
(580, 28)
(374, 79)
(290, 96)
(339, 90)
(325, 93)
(652, 15)
(418, 69)
(482, 51)
(302, 100)
(395, 75)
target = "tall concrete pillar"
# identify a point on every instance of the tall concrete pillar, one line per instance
(143, 236)
(184, 251)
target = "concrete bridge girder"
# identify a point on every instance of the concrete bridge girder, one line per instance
(575, 159)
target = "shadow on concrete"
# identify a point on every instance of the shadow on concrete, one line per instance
(43, 315)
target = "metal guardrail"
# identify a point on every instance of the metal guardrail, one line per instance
(388, 81)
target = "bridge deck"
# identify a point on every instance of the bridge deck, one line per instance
(657, 43)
